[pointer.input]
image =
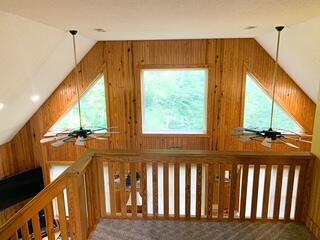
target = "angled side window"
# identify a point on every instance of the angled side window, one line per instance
(257, 110)
(93, 110)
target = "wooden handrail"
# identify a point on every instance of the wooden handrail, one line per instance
(204, 153)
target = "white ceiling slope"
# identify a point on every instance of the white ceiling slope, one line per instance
(299, 53)
(34, 59)
(36, 53)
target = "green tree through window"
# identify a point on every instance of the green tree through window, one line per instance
(93, 110)
(174, 101)
(258, 109)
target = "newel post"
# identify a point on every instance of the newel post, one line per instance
(77, 206)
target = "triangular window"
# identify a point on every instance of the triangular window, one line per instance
(93, 110)
(257, 111)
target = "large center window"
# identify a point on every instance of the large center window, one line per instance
(174, 101)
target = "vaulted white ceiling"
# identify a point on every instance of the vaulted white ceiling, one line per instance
(36, 50)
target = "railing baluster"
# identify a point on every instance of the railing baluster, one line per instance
(15, 236)
(211, 179)
(62, 217)
(255, 192)
(123, 197)
(36, 227)
(199, 190)
(166, 190)
(244, 192)
(233, 188)
(277, 197)
(101, 187)
(49, 221)
(155, 189)
(112, 190)
(144, 189)
(266, 192)
(133, 189)
(188, 189)
(221, 191)
(77, 206)
(300, 191)
(289, 192)
(89, 198)
(25, 232)
(176, 190)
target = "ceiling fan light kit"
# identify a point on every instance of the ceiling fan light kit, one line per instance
(269, 136)
(81, 135)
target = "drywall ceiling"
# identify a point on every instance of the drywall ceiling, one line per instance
(35, 48)
(34, 59)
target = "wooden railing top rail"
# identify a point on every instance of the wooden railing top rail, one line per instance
(203, 153)
(208, 156)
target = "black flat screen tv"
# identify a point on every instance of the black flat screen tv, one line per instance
(20, 187)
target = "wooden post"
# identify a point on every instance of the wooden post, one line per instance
(77, 206)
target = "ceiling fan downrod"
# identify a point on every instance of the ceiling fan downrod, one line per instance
(74, 33)
(274, 80)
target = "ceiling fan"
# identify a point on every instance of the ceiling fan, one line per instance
(81, 135)
(269, 136)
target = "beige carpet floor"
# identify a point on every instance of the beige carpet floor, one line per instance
(147, 230)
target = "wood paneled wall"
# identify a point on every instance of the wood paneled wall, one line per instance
(313, 220)
(227, 60)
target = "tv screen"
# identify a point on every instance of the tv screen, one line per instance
(20, 187)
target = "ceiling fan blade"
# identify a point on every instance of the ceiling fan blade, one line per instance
(96, 137)
(297, 139)
(289, 144)
(57, 133)
(241, 131)
(50, 139)
(305, 141)
(267, 142)
(58, 143)
(246, 138)
(102, 130)
(62, 141)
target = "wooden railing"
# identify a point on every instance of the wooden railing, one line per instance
(70, 217)
(207, 185)
(176, 185)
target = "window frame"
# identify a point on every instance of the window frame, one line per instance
(102, 72)
(243, 102)
(175, 68)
